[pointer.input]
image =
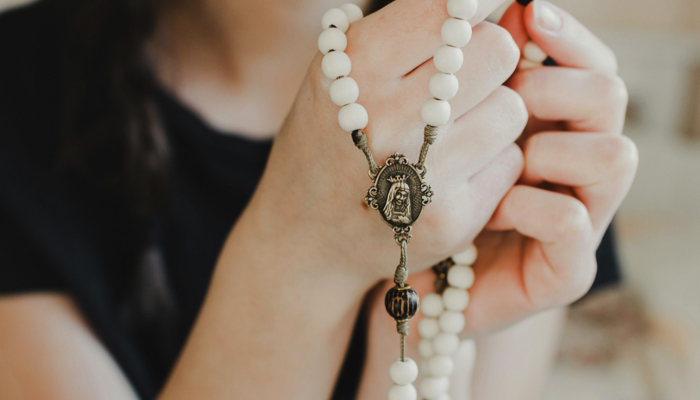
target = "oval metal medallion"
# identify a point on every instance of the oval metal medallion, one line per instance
(399, 193)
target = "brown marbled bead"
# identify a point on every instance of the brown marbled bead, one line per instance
(401, 302)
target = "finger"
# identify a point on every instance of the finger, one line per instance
(489, 60)
(513, 20)
(566, 40)
(561, 262)
(600, 168)
(463, 215)
(587, 100)
(404, 34)
(480, 135)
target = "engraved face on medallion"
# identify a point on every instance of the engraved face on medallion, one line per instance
(399, 193)
(398, 203)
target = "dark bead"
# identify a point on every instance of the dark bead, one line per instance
(401, 302)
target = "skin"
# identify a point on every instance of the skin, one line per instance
(537, 213)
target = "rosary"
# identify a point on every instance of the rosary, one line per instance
(399, 193)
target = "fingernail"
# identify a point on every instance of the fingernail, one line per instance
(546, 16)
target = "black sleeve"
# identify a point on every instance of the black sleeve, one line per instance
(23, 266)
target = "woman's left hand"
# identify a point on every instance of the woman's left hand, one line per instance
(538, 250)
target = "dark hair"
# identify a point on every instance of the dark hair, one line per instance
(111, 134)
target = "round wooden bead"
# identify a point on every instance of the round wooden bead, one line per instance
(428, 328)
(344, 91)
(435, 112)
(401, 302)
(451, 321)
(441, 366)
(431, 305)
(448, 59)
(462, 9)
(443, 86)
(467, 257)
(337, 18)
(460, 276)
(353, 117)
(455, 299)
(403, 392)
(527, 64)
(425, 348)
(332, 39)
(336, 64)
(433, 387)
(445, 343)
(533, 52)
(403, 372)
(456, 32)
(353, 12)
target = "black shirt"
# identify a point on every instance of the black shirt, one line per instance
(139, 281)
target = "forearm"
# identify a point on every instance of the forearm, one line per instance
(515, 363)
(274, 325)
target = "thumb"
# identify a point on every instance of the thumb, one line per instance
(565, 39)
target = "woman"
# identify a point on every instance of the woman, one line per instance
(122, 177)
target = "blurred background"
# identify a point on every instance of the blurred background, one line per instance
(641, 341)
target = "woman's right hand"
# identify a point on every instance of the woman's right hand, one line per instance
(311, 196)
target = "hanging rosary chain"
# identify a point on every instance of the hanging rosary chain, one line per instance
(429, 135)
(398, 192)
(360, 140)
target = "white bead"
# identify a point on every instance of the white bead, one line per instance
(352, 117)
(456, 32)
(403, 392)
(462, 9)
(445, 344)
(451, 322)
(431, 304)
(435, 112)
(335, 17)
(432, 387)
(448, 59)
(443, 86)
(332, 39)
(428, 328)
(336, 64)
(527, 64)
(533, 52)
(425, 348)
(403, 372)
(460, 276)
(344, 91)
(353, 12)
(455, 299)
(467, 257)
(441, 366)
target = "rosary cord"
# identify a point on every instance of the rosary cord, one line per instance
(429, 135)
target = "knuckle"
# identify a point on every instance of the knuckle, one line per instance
(578, 285)
(512, 108)
(571, 220)
(503, 44)
(611, 89)
(620, 154)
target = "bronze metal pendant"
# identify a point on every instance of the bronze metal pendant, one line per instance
(399, 193)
